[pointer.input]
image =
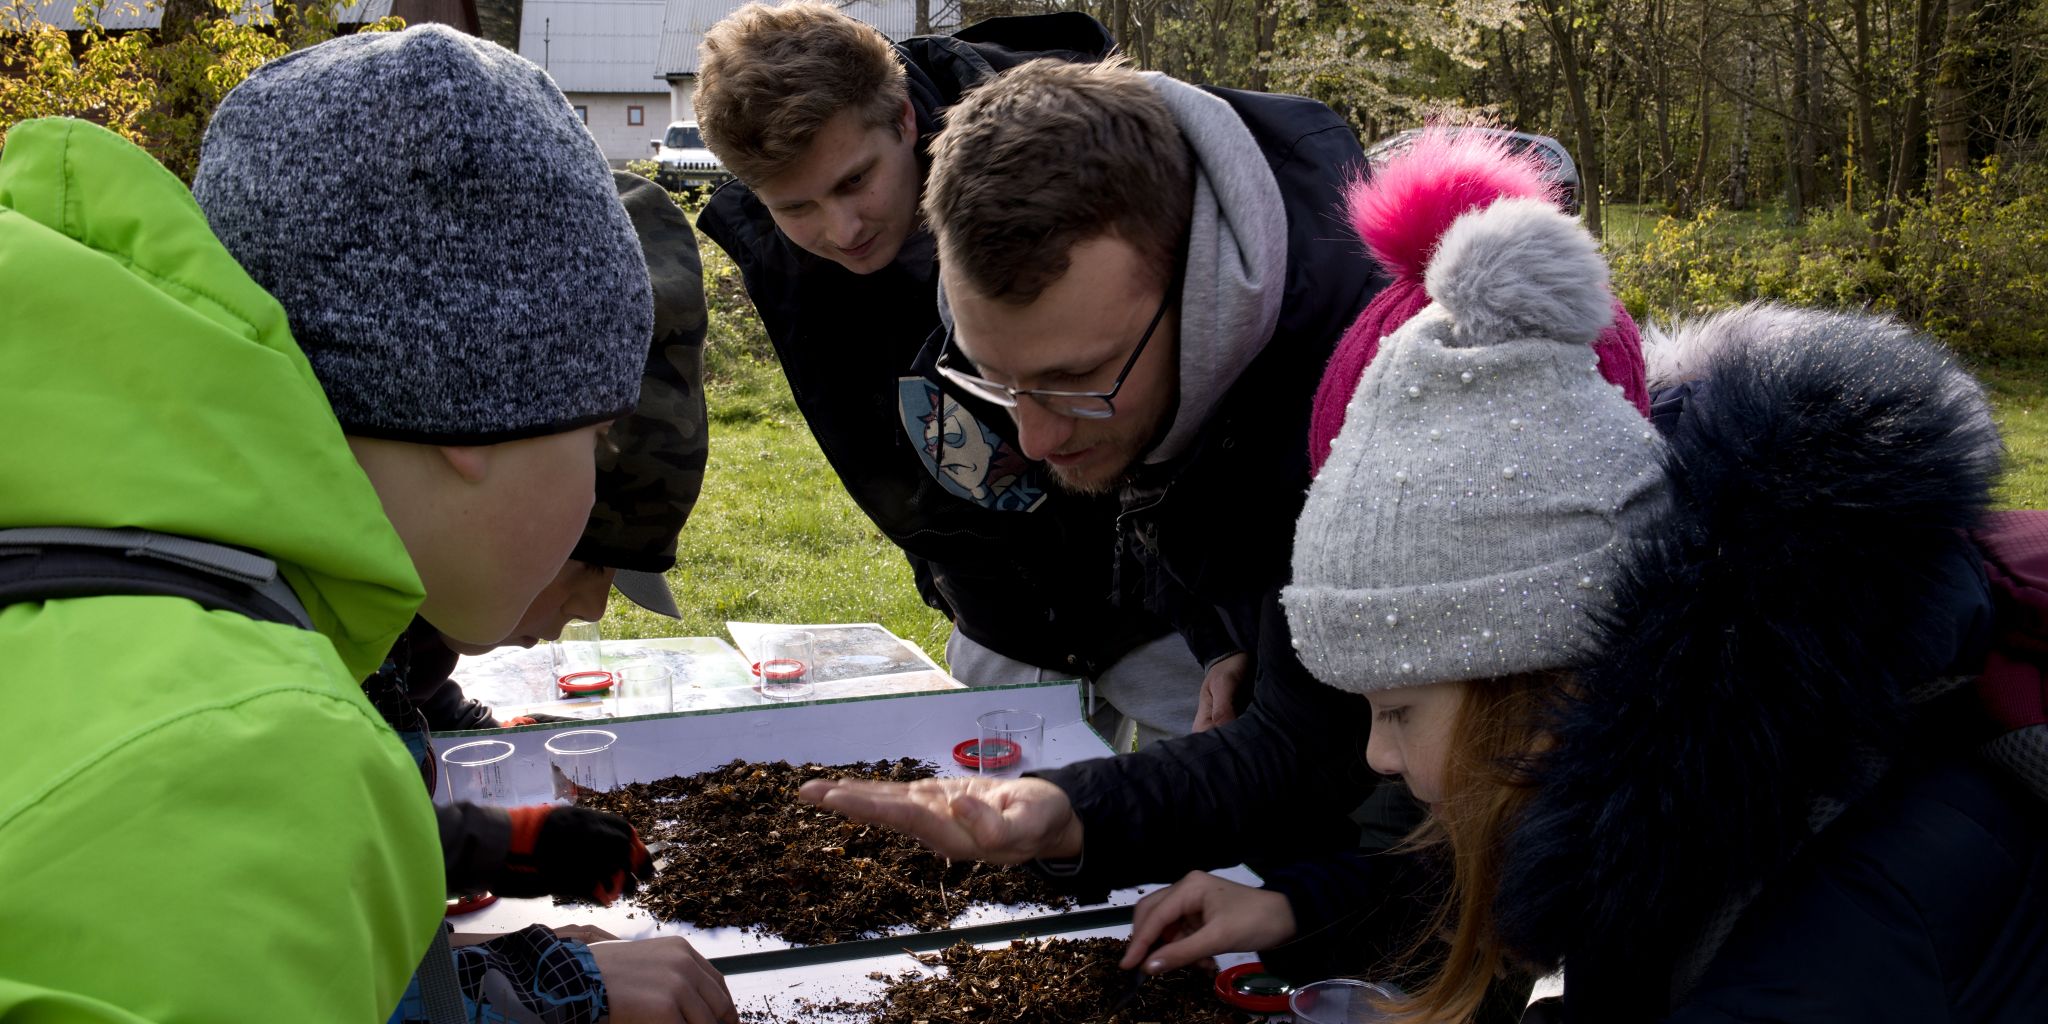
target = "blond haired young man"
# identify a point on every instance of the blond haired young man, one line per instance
(827, 126)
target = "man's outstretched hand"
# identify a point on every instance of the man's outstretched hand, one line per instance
(1002, 821)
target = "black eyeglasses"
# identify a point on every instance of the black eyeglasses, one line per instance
(1082, 405)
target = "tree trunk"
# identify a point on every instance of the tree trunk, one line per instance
(1516, 79)
(1951, 96)
(1745, 112)
(1660, 84)
(1219, 45)
(1146, 16)
(181, 17)
(1865, 153)
(1909, 171)
(924, 18)
(1819, 145)
(1268, 21)
(1564, 39)
(1696, 189)
(1799, 149)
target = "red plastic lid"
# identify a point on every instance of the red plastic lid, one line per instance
(782, 670)
(585, 682)
(1001, 753)
(1248, 987)
(471, 903)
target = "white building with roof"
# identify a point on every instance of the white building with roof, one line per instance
(601, 53)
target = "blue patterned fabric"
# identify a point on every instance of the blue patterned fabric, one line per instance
(525, 977)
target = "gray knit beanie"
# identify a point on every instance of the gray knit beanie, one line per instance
(1473, 510)
(442, 231)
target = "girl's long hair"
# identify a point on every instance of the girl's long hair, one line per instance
(1486, 785)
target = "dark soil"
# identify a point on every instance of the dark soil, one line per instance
(747, 854)
(1058, 981)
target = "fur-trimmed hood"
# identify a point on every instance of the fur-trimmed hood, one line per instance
(1768, 647)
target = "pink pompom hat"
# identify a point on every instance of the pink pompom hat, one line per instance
(1401, 211)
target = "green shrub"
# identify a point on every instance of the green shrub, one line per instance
(1970, 265)
(156, 94)
(1973, 265)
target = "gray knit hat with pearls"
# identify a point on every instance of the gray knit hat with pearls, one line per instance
(1476, 503)
(442, 231)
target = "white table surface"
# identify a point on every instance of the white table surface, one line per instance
(925, 726)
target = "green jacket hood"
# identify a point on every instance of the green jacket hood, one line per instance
(150, 383)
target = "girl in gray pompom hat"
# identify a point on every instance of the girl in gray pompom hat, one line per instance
(1682, 701)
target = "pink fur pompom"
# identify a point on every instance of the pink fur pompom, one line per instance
(1405, 207)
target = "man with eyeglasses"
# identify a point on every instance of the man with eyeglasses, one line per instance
(825, 124)
(1154, 308)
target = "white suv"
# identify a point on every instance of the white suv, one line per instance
(683, 161)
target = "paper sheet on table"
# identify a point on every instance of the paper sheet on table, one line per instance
(708, 674)
(849, 650)
(925, 726)
(514, 678)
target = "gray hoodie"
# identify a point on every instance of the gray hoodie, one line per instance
(1237, 258)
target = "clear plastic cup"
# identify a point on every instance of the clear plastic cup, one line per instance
(580, 760)
(1338, 1001)
(480, 772)
(788, 662)
(1011, 742)
(577, 649)
(644, 687)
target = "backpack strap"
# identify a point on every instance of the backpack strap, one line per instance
(50, 563)
(440, 987)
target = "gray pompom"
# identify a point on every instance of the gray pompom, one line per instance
(1517, 270)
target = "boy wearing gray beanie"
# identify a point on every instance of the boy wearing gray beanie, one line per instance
(469, 289)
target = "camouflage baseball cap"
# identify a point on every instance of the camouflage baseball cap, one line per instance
(648, 483)
(649, 590)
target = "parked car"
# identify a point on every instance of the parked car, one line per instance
(1557, 161)
(683, 162)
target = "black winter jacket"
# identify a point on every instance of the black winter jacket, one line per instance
(1205, 540)
(1019, 567)
(1768, 798)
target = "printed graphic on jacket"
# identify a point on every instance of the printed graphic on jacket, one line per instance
(968, 459)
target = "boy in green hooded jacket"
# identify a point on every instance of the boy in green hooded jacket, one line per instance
(201, 816)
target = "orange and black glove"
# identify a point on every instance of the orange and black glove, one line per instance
(575, 852)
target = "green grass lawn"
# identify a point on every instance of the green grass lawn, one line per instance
(775, 538)
(2019, 399)
(1624, 225)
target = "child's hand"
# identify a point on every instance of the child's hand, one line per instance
(662, 981)
(584, 933)
(1202, 915)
